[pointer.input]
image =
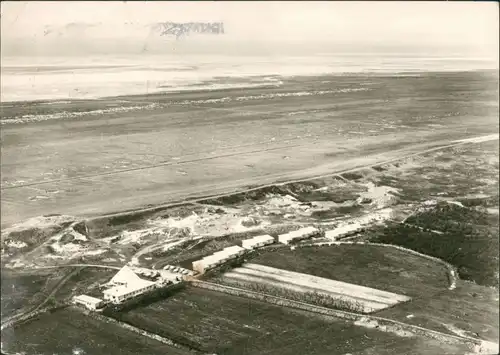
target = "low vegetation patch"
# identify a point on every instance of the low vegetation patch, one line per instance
(468, 240)
(367, 265)
(69, 331)
(215, 322)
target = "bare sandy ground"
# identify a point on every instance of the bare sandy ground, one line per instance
(90, 165)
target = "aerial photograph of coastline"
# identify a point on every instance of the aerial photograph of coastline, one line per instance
(247, 178)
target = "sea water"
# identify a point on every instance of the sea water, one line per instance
(87, 77)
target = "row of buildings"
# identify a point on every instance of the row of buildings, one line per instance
(343, 231)
(127, 284)
(232, 252)
(218, 258)
(300, 234)
(257, 242)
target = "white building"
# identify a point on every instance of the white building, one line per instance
(89, 302)
(126, 285)
(257, 242)
(297, 235)
(217, 258)
(206, 263)
(342, 231)
(234, 251)
(222, 256)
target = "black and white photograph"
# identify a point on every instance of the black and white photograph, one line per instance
(249, 177)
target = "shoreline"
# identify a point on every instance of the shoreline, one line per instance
(288, 80)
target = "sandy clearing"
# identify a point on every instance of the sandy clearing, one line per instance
(40, 222)
(15, 244)
(381, 196)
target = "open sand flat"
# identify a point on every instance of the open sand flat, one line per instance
(93, 157)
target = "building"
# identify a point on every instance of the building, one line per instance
(206, 263)
(343, 231)
(217, 258)
(297, 235)
(234, 251)
(126, 285)
(222, 256)
(89, 302)
(257, 242)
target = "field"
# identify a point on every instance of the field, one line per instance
(85, 281)
(368, 299)
(71, 332)
(457, 217)
(381, 268)
(23, 290)
(460, 173)
(469, 310)
(193, 144)
(218, 323)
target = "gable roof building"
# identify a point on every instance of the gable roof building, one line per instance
(126, 284)
(257, 241)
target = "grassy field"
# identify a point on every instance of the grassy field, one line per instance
(21, 291)
(372, 266)
(457, 173)
(471, 308)
(68, 331)
(224, 324)
(472, 249)
(86, 281)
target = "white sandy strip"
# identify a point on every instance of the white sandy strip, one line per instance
(242, 277)
(16, 244)
(489, 137)
(311, 280)
(333, 287)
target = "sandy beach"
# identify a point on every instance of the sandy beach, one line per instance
(91, 157)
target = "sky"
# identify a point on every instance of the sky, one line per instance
(473, 24)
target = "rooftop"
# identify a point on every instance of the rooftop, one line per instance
(88, 299)
(125, 275)
(130, 287)
(211, 259)
(263, 238)
(126, 281)
(233, 249)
